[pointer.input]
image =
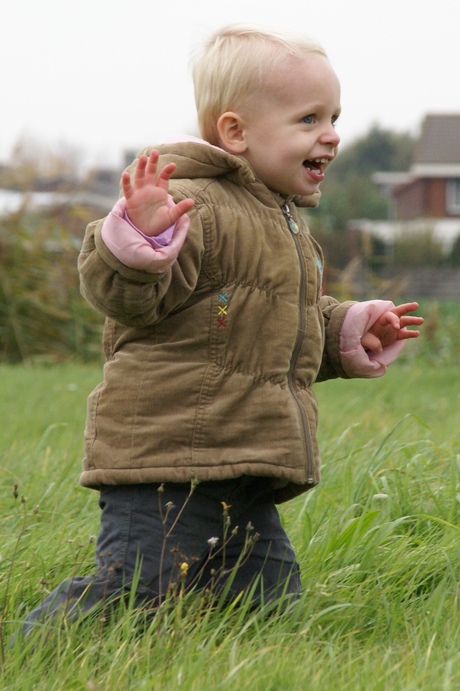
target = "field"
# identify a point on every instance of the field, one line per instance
(378, 542)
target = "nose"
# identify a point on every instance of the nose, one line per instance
(330, 136)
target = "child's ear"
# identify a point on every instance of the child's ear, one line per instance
(230, 127)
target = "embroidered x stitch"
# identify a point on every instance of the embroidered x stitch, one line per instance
(222, 303)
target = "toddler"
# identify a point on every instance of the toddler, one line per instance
(216, 331)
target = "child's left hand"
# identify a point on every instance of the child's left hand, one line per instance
(392, 327)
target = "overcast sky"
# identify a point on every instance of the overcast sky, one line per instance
(101, 76)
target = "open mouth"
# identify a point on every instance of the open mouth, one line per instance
(316, 165)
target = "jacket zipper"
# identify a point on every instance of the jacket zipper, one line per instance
(295, 230)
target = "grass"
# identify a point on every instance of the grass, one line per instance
(378, 542)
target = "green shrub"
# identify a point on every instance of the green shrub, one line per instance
(42, 313)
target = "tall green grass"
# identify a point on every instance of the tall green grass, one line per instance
(378, 543)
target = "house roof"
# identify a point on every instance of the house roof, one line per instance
(439, 141)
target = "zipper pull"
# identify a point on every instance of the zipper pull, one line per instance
(293, 227)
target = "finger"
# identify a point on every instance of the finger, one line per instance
(180, 209)
(164, 176)
(126, 185)
(405, 307)
(407, 333)
(151, 163)
(411, 321)
(390, 319)
(370, 342)
(139, 172)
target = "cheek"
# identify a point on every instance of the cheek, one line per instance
(288, 154)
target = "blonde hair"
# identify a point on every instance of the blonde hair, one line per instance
(234, 64)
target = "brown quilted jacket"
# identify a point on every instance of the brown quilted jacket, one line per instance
(209, 366)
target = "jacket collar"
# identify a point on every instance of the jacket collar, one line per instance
(196, 158)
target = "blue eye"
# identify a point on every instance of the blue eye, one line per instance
(308, 119)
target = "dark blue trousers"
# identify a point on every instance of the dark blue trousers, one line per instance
(225, 536)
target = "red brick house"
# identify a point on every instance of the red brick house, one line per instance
(432, 186)
(427, 197)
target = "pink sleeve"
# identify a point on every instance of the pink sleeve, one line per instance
(135, 249)
(356, 361)
(155, 241)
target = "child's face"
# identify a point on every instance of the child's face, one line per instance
(289, 131)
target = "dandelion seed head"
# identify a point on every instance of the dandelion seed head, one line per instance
(213, 541)
(380, 497)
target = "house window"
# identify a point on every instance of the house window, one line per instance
(453, 196)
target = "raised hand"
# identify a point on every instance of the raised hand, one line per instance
(146, 196)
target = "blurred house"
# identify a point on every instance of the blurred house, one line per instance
(431, 189)
(426, 198)
(425, 213)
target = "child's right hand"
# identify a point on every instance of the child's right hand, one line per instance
(147, 196)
